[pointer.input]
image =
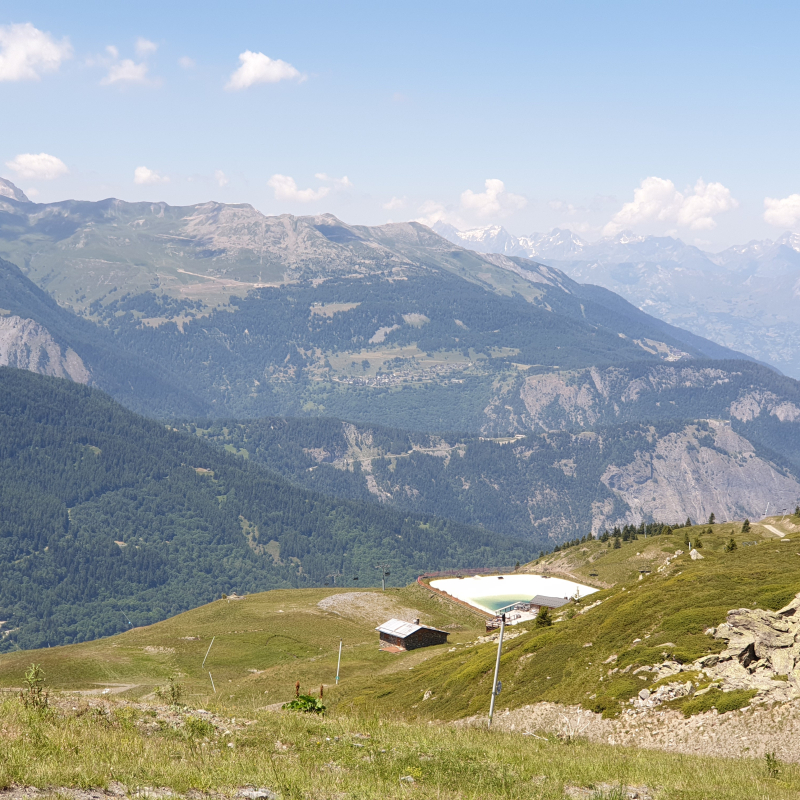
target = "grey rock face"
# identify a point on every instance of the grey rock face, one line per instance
(761, 645)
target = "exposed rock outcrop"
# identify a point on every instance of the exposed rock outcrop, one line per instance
(763, 651)
(25, 344)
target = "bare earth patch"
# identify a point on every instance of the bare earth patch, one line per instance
(371, 606)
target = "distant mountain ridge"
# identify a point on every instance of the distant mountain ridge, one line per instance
(744, 297)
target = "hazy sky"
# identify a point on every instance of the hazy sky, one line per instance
(656, 117)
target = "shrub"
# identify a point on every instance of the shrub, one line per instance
(306, 703)
(172, 692)
(543, 618)
(33, 695)
(731, 546)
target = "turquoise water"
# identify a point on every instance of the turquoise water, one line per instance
(501, 601)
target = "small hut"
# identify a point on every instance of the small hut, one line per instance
(398, 635)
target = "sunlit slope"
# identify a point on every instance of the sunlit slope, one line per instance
(263, 644)
(641, 622)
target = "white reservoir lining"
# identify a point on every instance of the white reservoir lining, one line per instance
(491, 592)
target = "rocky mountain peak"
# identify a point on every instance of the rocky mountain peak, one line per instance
(8, 189)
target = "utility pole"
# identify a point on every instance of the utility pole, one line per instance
(384, 568)
(496, 685)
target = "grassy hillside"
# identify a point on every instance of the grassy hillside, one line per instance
(638, 623)
(107, 517)
(267, 642)
(134, 748)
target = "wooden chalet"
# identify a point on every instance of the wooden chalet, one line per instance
(398, 635)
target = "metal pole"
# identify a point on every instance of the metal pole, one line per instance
(339, 662)
(212, 683)
(383, 580)
(207, 652)
(497, 667)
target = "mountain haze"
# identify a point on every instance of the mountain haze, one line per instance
(743, 297)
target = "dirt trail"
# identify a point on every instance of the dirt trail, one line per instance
(772, 529)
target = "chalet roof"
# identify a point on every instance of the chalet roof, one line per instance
(550, 602)
(396, 627)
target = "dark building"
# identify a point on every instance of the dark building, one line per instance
(396, 634)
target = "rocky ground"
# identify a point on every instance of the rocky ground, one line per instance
(750, 732)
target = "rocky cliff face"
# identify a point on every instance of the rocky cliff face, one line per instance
(690, 473)
(569, 400)
(25, 344)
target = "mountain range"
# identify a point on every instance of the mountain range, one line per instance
(383, 394)
(743, 297)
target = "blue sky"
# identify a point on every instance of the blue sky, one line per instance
(674, 117)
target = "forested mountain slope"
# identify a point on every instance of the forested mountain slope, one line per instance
(237, 314)
(38, 335)
(106, 516)
(547, 487)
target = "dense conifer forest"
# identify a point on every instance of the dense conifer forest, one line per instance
(108, 520)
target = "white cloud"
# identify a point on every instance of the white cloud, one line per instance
(784, 212)
(221, 178)
(26, 52)
(144, 176)
(657, 200)
(126, 71)
(339, 183)
(40, 166)
(286, 189)
(144, 47)
(433, 212)
(395, 203)
(258, 68)
(494, 201)
(186, 62)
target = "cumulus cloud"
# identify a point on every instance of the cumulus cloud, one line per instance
(144, 47)
(340, 183)
(221, 178)
(285, 188)
(258, 68)
(144, 176)
(126, 70)
(26, 52)
(395, 203)
(657, 200)
(495, 201)
(783, 212)
(37, 166)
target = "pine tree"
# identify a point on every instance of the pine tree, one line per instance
(617, 543)
(711, 518)
(746, 526)
(688, 523)
(731, 546)
(543, 618)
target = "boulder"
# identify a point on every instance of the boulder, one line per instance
(694, 555)
(791, 609)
